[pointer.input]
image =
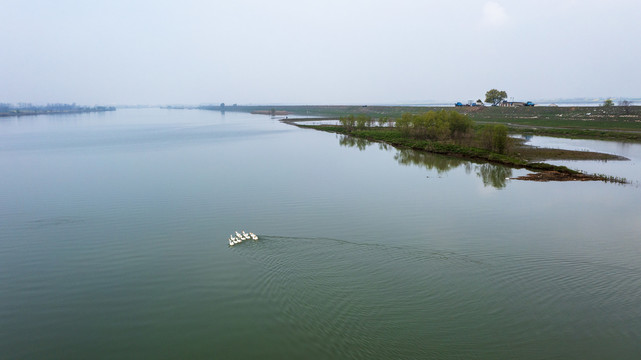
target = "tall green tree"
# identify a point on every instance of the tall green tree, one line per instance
(495, 96)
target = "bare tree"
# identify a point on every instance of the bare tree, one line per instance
(625, 104)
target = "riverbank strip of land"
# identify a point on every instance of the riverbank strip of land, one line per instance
(391, 136)
(616, 123)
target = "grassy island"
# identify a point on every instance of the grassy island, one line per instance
(455, 134)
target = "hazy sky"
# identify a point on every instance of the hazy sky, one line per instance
(316, 52)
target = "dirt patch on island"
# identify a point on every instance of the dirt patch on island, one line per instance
(558, 176)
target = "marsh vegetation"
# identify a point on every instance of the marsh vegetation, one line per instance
(448, 127)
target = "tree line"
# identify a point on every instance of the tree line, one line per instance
(59, 107)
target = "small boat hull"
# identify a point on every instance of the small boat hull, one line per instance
(233, 240)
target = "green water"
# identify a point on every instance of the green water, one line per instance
(113, 233)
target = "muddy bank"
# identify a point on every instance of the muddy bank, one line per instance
(544, 176)
(533, 153)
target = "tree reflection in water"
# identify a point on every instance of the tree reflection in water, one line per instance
(491, 174)
(494, 175)
(349, 141)
(441, 164)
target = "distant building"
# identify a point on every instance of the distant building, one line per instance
(511, 103)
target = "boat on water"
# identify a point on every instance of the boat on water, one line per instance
(233, 240)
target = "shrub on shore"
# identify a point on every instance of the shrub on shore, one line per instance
(494, 138)
(440, 126)
(432, 125)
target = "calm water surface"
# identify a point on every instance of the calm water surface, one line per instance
(113, 233)
(631, 169)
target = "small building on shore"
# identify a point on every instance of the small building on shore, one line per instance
(511, 103)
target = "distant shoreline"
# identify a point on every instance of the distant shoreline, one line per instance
(19, 113)
(271, 112)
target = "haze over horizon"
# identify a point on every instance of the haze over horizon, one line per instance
(301, 52)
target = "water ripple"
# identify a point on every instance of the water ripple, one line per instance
(367, 287)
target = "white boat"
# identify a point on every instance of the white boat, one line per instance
(233, 240)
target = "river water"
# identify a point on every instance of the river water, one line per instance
(114, 227)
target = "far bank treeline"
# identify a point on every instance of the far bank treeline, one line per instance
(443, 127)
(21, 109)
